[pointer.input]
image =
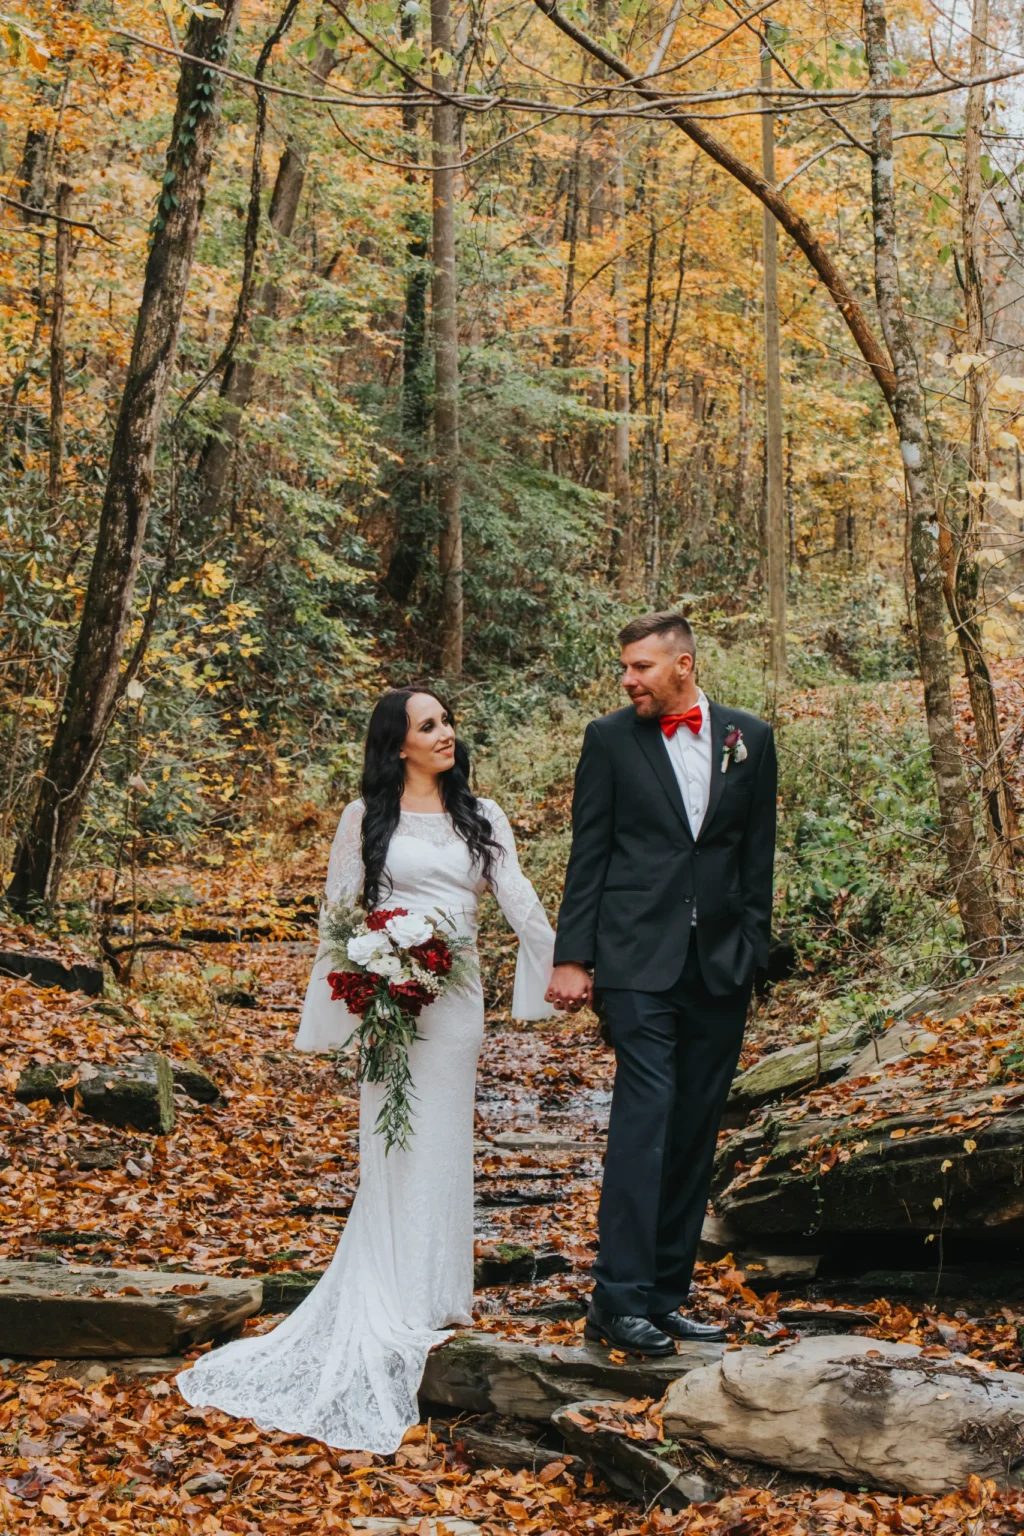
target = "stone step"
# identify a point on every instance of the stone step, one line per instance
(84, 1312)
(482, 1373)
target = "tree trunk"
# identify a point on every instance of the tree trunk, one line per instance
(775, 511)
(571, 234)
(652, 413)
(620, 441)
(240, 375)
(962, 553)
(977, 909)
(93, 683)
(410, 533)
(446, 353)
(61, 261)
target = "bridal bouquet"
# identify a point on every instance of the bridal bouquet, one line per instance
(395, 963)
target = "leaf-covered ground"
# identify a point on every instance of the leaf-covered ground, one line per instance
(262, 1182)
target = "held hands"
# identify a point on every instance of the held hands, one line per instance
(571, 988)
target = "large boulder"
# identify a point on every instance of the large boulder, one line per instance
(49, 1312)
(961, 1168)
(887, 1415)
(138, 1092)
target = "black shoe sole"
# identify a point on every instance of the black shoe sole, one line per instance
(597, 1337)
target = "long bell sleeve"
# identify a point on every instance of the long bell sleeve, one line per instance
(325, 1024)
(521, 906)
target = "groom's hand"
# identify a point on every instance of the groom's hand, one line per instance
(571, 987)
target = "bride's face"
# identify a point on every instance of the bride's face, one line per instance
(429, 745)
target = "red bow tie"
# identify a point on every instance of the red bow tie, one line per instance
(693, 718)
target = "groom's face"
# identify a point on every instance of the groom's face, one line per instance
(656, 674)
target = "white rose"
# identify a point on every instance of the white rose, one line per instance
(386, 965)
(407, 931)
(366, 946)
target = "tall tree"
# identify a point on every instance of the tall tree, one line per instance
(621, 473)
(61, 262)
(445, 321)
(96, 682)
(775, 511)
(410, 532)
(977, 909)
(239, 376)
(960, 546)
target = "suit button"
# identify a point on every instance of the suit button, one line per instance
(688, 896)
(695, 852)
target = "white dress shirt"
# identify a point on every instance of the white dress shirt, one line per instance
(690, 756)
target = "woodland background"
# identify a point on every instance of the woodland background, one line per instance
(612, 436)
(289, 415)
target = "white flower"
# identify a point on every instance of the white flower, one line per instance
(365, 947)
(410, 930)
(387, 965)
(740, 753)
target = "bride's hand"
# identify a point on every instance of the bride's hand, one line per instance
(571, 987)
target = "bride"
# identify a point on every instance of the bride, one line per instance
(346, 1366)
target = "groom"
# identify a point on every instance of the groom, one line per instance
(667, 914)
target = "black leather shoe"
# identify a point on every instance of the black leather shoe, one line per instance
(678, 1326)
(636, 1335)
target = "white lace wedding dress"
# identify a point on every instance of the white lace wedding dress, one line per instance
(345, 1367)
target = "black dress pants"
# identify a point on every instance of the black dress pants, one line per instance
(675, 1055)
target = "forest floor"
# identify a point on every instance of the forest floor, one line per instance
(261, 1182)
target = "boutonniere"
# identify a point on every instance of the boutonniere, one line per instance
(734, 748)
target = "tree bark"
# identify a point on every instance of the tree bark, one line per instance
(94, 684)
(962, 551)
(775, 511)
(410, 532)
(61, 262)
(620, 443)
(239, 379)
(977, 909)
(446, 354)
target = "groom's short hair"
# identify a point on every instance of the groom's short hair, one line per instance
(667, 624)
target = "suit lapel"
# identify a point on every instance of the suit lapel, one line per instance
(648, 734)
(718, 731)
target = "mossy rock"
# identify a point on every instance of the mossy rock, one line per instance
(510, 1264)
(138, 1092)
(195, 1081)
(46, 1083)
(795, 1067)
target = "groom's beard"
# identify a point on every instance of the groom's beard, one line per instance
(649, 707)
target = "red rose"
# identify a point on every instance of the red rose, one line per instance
(380, 919)
(353, 989)
(412, 995)
(434, 956)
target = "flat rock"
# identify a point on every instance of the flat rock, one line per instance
(795, 1067)
(542, 1141)
(51, 1312)
(46, 971)
(826, 1319)
(911, 1038)
(482, 1373)
(863, 1410)
(768, 1181)
(632, 1467)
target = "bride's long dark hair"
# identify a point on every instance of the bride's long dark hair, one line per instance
(384, 781)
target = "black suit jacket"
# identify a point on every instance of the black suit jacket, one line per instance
(635, 867)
